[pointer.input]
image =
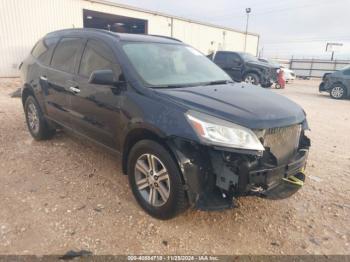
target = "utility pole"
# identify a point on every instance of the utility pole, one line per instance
(330, 47)
(248, 11)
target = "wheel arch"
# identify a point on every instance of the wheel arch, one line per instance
(338, 83)
(143, 133)
(252, 71)
(27, 91)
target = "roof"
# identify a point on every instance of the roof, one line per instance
(121, 36)
(110, 3)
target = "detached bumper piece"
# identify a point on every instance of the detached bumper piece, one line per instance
(281, 182)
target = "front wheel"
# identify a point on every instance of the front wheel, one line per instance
(252, 78)
(155, 180)
(338, 91)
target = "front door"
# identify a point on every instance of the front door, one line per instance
(95, 108)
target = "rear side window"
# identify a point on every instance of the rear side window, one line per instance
(97, 56)
(66, 54)
(220, 58)
(44, 48)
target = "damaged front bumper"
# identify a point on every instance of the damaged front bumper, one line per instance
(213, 176)
(282, 181)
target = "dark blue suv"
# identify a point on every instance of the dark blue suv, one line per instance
(187, 135)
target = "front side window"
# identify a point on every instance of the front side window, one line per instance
(97, 56)
(44, 48)
(66, 54)
(160, 64)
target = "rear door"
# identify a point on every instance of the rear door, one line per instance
(96, 108)
(59, 78)
(37, 68)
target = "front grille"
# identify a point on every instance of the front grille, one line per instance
(283, 142)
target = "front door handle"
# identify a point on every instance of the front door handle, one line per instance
(44, 78)
(74, 89)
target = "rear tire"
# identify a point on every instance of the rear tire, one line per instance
(36, 122)
(252, 78)
(155, 180)
(338, 91)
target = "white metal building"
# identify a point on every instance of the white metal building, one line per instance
(23, 22)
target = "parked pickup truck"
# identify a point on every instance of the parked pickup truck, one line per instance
(246, 67)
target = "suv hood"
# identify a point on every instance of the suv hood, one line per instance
(262, 64)
(240, 103)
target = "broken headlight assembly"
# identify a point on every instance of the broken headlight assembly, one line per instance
(215, 131)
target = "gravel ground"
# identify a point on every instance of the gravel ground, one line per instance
(65, 194)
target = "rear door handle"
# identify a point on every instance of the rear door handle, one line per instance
(74, 89)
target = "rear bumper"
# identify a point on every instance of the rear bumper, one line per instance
(324, 87)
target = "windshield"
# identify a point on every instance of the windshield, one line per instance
(164, 65)
(249, 57)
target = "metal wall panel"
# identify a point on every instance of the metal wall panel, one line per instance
(23, 22)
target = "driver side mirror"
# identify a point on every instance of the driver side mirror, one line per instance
(102, 77)
(107, 78)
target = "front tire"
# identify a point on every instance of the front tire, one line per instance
(252, 78)
(36, 123)
(338, 91)
(155, 180)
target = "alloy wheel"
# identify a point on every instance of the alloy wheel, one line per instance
(152, 180)
(33, 118)
(337, 92)
(250, 79)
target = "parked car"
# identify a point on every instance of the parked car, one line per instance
(337, 84)
(187, 135)
(246, 67)
(288, 73)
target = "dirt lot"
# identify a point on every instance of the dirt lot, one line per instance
(65, 194)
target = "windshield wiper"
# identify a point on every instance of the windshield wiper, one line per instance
(219, 82)
(168, 86)
(176, 86)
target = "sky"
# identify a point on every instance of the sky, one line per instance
(299, 28)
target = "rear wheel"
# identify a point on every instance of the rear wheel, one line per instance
(156, 180)
(36, 123)
(338, 91)
(252, 78)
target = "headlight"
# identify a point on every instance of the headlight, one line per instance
(219, 132)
